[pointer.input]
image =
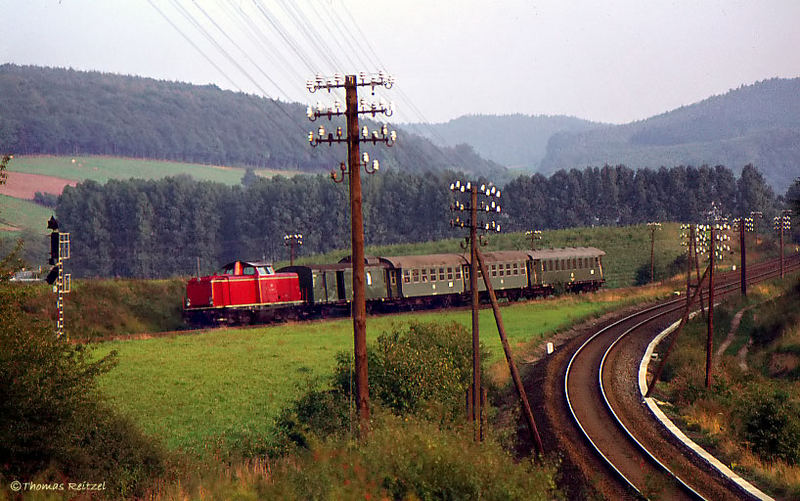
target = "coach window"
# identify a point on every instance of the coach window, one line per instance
(441, 274)
(494, 270)
(508, 268)
(369, 278)
(501, 269)
(449, 273)
(392, 278)
(558, 264)
(406, 276)
(415, 276)
(433, 274)
(424, 275)
(458, 273)
(516, 269)
(466, 273)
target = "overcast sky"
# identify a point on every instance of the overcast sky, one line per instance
(609, 61)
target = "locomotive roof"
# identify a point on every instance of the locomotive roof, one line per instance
(248, 263)
(425, 260)
(566, 252)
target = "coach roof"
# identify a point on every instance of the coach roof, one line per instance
(423, 261)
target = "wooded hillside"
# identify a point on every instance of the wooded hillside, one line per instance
(59, 111)
(757, 124)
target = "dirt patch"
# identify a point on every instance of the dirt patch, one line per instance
(23, 185)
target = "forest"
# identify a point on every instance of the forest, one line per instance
(139, 228)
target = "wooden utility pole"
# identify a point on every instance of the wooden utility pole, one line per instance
(476, 342)
(292, 241)
(353, 169)
(359, 304)
(710, 337)
(743, 249)
(653, 227)
(498, 318)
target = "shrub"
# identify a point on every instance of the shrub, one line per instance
(52, 418)
(771, 425)
(416, 365)
(424, 369)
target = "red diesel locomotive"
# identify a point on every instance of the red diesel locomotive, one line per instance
(242, 292)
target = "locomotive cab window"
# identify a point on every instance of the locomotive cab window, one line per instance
(248, 270)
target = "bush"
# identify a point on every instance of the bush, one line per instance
(771, 425)
(52, 418)
(423, 369)
(416, 365)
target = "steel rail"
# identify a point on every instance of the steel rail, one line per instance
(724, 288)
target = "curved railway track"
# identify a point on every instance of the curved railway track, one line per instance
(611, 430)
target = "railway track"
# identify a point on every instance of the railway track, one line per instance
(597, 417)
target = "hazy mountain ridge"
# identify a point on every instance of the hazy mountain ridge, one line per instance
(758, 124)
(516, 141)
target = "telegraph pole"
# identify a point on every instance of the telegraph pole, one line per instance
(783, 223)
(534, 235)
(355, 160)
(710, 336)
(475, 410)
(291, 241)
(653, 227)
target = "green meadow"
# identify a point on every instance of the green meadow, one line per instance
(22, 214)
(102, 168)
(228, 385)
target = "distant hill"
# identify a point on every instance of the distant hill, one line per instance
(758, 124)
(67, 112)
(516, 141)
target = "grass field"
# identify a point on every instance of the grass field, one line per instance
(192, 389)
(102, 168)
(21, 214)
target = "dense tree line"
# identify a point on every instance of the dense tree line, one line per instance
(620, 196)
(68, 112)
(159, 228)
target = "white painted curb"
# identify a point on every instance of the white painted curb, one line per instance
(669, 425)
